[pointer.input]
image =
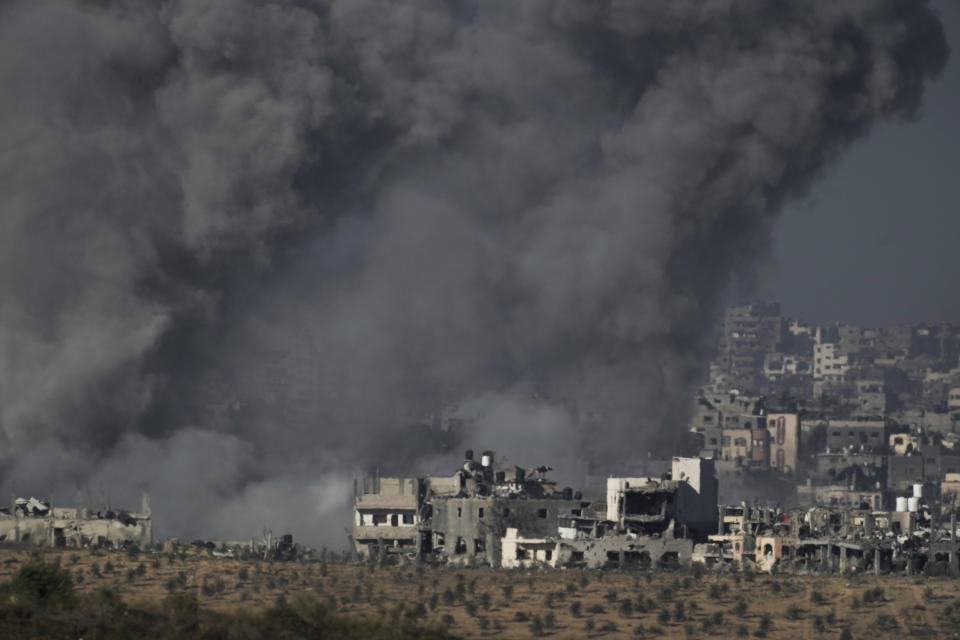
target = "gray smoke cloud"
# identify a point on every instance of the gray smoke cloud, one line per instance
(246, 244)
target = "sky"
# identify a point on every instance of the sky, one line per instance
(877, 240)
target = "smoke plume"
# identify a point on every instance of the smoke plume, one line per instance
(248, 246)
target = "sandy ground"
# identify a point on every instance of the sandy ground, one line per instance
(481, 603)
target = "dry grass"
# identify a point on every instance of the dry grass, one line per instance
(505, 604)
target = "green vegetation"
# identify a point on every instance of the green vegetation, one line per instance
(38, 602)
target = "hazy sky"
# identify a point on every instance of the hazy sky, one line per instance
(878, 240)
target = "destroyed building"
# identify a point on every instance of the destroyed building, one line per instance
(40, 523)
(507, 516)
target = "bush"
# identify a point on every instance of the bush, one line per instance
(741, 607)
(43, 583)
(679, 613)
(873, 595)
(742, 631)
(610, 596)
(610, 626)
(794, 612)
(818, 624)
(663, 617)
(597, 608)
(886, 622)
(626, 608)
(575, 609)
(536, 626)
(550, 620)
(846, 635)
(817, 597)
(520, 616)
(766, 623)
(588, 626)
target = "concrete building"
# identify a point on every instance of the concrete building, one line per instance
(784, 430)
(850, 435)
(41, 523)
(387, 516)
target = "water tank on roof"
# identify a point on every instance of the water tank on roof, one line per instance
(913, 505)
(901, 504)
(918, 490)
(486, 459)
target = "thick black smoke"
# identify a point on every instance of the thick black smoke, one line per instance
(244, 243)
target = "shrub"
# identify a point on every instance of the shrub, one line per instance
(817, 597)
(609, 626)
(182, 612)
(679, 614)
(794, 612)
(507, 591)
(830, 617)
(715, 592)
(818, 624)
(886, 622)
(575, 609)
(610, 596)
(741, 607)
(597, 608)
(447, 620)
(742, 631)
(626, 608)
(846, 635)
(663, 617)
(588, 625)
(873, 595)
(433, 602)
(520, 616)
(766, 623)
(550, 620)
(536, 626)
(42, 582)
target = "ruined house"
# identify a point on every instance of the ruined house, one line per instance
(40, 523)
(506, 516)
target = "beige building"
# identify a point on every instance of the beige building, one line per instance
(784, 429)
(953, 398)
(736, 444)
(387, 515)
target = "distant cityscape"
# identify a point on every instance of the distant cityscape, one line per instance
(851, 415)
(821, 448)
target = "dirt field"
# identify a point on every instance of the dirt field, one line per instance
(558, 603)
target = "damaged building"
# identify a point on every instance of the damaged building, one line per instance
(37, 522)
(487, 513)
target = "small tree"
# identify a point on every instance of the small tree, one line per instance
(42, 582)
